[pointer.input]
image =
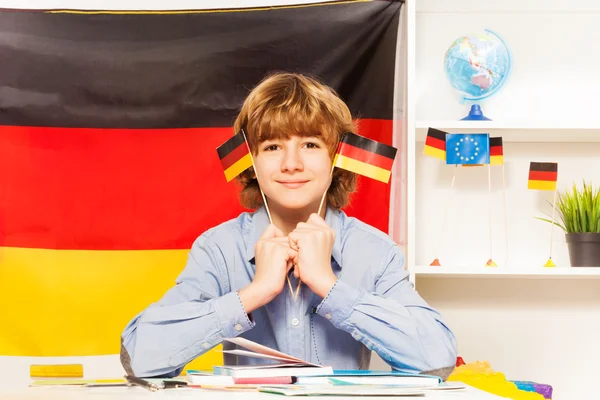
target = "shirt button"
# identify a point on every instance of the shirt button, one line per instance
(328, 315)
(205, 345)
(238, 327)
(356, 335)
(295, 322)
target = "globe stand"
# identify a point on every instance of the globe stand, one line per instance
(475, 114)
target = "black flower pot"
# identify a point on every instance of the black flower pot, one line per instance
(584, 249)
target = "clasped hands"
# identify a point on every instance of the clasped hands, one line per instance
(306, 250)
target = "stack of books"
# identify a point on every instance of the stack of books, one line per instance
(279, 368)
(292, 376)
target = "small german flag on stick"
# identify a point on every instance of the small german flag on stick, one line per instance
(235, 156)
(362, 156)
(496, 151)
(497, 158)
(366, 157)
(435, 144)
(544, 176)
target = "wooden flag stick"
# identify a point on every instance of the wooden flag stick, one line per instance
(490, 205)
(319, 212)
(325, 194)
(266, 207)
(490, 262)
(550, 263)
(505, 215)
(436, 261)
(256, 174)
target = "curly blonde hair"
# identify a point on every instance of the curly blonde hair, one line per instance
(285, 104)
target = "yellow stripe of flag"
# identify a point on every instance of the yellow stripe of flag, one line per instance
(541, 185)
(77, 302)
(496, 160)
(434, 152)
(238, 167)
(362, 168)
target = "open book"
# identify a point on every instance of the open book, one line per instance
(281, 364)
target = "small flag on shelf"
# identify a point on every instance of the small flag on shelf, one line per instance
(467, 148)
(435, 144)
(496, 151)
(235, 156)
(365, 156)
(542, 176)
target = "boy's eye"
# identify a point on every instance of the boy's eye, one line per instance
(271, 147)
(311, 145)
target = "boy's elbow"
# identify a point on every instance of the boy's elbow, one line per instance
(445, 358)
(126, 360)
(141, 367)
(134, 366)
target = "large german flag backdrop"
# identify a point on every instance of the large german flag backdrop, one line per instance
(109, 125)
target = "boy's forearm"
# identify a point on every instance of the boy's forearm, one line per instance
(406, 337)
(165, 338)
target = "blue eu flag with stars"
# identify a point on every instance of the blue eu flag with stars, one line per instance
(467, 148)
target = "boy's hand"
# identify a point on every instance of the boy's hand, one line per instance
(274, 258)
(314, 242)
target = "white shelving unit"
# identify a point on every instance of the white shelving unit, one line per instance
(528, 321)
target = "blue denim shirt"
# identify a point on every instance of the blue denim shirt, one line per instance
(372, 306)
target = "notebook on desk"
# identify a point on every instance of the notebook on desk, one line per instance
(371, 377)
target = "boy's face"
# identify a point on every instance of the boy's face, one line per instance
(293, 173)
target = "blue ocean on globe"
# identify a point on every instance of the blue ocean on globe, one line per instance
(477, 65)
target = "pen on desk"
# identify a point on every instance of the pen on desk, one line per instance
(134, 380)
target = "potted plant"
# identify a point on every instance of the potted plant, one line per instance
(579, 211)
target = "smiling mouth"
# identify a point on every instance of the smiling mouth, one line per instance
(292, 184)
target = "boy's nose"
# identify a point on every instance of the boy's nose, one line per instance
(291, 161)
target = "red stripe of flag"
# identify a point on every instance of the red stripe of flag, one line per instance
(543, 176)
(434, 142)
(109, 189)
(496, 151)
(366, 156)
(234, 156)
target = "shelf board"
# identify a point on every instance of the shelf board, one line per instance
(507, 272)
(517, 131)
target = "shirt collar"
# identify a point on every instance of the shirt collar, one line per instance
(260, 221)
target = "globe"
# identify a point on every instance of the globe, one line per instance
(477, 65)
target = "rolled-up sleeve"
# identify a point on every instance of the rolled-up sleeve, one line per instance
(191, 318)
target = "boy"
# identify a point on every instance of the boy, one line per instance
(354, 295)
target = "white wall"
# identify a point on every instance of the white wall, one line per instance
(530, 329)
